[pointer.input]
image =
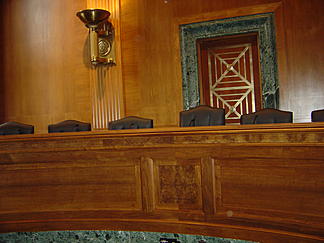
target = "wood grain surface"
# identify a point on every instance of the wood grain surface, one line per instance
(45, 70)
(44, 76)
(254, 182)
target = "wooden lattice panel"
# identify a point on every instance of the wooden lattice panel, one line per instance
(231, 80)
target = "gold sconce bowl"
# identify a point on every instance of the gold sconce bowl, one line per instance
(101, 35)
(93, 17)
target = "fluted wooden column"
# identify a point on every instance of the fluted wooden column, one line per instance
(106, 81)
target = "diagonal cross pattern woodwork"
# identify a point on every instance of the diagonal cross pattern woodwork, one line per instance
(231, 81)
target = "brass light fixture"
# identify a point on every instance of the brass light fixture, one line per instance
(101, 35)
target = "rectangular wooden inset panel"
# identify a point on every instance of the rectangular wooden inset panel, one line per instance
(72, 188)
(269, 185)
(178, 185)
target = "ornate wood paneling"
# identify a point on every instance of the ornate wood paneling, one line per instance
(106, 81)
(254, 182)
(177, 185)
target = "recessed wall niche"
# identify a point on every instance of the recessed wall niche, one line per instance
(263, 24)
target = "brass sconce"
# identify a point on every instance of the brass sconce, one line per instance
(101, 35)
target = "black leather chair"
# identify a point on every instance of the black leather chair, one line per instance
(202, 115)
(318, 115)
(267, 116)
(12, 128)
(130, 122)
(69, 126)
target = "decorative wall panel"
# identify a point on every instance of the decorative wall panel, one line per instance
(177, 185)
(231, 80)
(262, 24)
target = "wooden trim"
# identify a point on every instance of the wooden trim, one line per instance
(148, 184)
(208, 185)
(227, 129)
(229, 13)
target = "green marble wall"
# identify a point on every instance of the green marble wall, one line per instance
(263, 24)
(106, 236)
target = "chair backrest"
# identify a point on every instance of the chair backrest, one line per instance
(12, 128)
(130, 122)
(69, 126)
(318, 115)
(202, 115)
(267, 116)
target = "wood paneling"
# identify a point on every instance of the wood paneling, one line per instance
(151, 63)
(262, 180)
(2, 83)
(44, 76)
(255, 182)
(304, 29)
(71, 192)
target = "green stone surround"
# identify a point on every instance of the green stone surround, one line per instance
(263, 24)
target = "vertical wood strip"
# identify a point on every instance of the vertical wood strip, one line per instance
(93, 91)
(106, 81)
(148, 187)
(218, 185)
(208, 185)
